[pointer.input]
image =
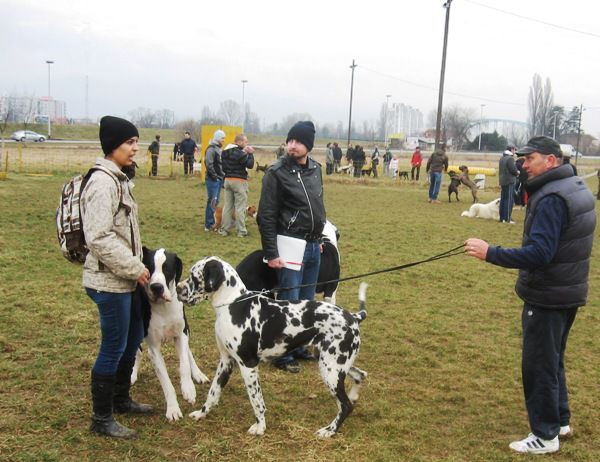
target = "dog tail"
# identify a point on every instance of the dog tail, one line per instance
(362, 302)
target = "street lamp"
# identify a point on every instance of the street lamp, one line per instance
(385, 127)
(48, 62)
(244, 82)
(554, 114)
(480, 123)
(353, 66)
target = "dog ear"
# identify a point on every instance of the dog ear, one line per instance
(213, 275)
(178, 269)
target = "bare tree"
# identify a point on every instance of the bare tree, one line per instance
(291, 119)
(456, 123)
(7, 109)
(142, 117)
(230, 112)
(540, 102)
(165, 118)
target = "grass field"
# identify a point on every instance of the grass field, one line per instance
(441, 342)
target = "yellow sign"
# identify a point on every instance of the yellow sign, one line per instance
(206, 135)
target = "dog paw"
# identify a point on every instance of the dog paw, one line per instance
(134, 377)
(173, 413)
(199, 377)
(197, 415)
(325, 432)
(188, 391)
(257, 429)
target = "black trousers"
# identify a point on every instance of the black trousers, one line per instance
(154, 165)
(545, 335)
(188, 164)
(412, 172)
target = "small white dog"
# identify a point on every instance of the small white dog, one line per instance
(490, 211)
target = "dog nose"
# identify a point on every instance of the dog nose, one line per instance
(157, 289)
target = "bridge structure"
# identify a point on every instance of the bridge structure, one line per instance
(510, 129)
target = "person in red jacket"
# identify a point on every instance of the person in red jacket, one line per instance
(416, 161)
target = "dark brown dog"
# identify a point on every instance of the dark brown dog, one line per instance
(453, 186)
(403, 174)
(261, 168)
(464, 179)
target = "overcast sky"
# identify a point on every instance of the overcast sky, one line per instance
(183, 55)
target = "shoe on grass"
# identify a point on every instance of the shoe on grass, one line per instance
(535, 445)
(291, 366)
(565, 432)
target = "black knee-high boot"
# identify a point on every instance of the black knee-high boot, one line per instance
(103, 422)
(122, 401)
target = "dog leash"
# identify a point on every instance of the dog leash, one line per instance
(447, 254)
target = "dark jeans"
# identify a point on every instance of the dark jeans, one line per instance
(545, 335)
(154, 165)
(412, 172)
(328, 169)
(507, 200)
(374, 166)
(358, 165)
(121, 326)
(290, 278)
(213, 192)
(188, 164)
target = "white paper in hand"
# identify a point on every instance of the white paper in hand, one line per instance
(291, 251)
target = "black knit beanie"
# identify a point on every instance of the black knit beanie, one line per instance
(304, 132)
(114, 131)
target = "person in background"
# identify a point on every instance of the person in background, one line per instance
(437, 162)
(358, 160)
(112, 270)
(375, 161)
(553, 262)
(567, 160)
(328, 159)
(416, 161)
(291, 204)
(387, 157)
(214, 178)
(188, 148)
(154, 149)
(337, 157)
(394, 167)
(236, 159)
(280, 152)
(507, 178)
(521, 184)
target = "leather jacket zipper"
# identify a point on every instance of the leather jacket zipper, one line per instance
(312, 217)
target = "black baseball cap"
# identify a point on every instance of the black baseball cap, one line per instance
(541, 144)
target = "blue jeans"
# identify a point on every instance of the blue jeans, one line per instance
(507, 200)
(121, 326)
(435, 182)
(213, 191)
(309, 274)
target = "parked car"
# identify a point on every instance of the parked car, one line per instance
(27, 135)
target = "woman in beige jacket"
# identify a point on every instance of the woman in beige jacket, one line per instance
(112, 270)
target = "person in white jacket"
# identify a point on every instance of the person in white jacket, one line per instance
(112, 270)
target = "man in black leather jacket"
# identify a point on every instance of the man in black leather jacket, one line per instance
(291, 204)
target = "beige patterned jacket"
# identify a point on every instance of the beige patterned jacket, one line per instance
(111, 265)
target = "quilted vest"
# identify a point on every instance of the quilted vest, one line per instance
(562, 283)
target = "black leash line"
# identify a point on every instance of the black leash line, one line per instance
(446, 254)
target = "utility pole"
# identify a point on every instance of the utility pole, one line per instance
(351, 91)
(578, 133)
(442, 74)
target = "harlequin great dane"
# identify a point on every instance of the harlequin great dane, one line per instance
(250, 328)
(165, 320)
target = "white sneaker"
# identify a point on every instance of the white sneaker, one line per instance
(565, 432)
(535, 445)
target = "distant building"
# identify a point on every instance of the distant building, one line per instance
(31, 109)
(405, 119)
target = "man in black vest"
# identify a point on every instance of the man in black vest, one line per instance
(553, 265)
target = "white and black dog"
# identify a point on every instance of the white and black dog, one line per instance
(165, 320)
(257, 275)
(250, 328)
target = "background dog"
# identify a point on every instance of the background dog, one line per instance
(403, 174)
(251, 328)
(261, 168)
(490, 211)
(165, 320)
(257, 275)
(250, 212)
(453, 186)
(464, 179)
